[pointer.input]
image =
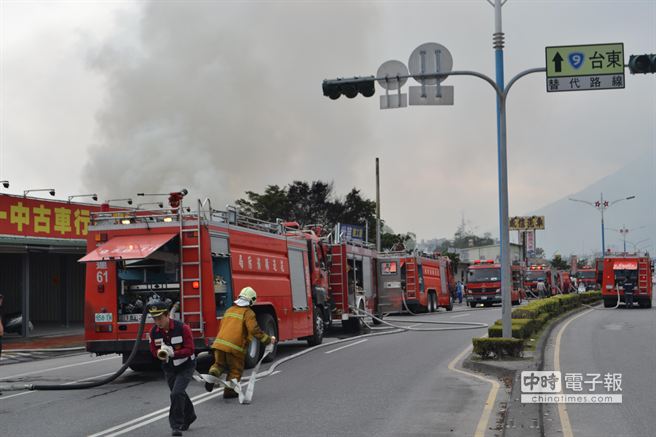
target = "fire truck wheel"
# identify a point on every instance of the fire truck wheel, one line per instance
(252, 354)
(268, 325)
(318, 329)
(608, 303)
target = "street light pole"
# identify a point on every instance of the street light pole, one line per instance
(602, 205)
(504, 237)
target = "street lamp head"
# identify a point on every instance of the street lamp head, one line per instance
(129, 201)
(95, 197)
(630, 197)
(5, 184)
(50, 191)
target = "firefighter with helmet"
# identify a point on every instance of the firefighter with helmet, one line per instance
(238, 325)
(172, 343)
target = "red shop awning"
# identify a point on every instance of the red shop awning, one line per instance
(128, 247)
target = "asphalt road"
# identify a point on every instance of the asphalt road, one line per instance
(392, 385)
(609, 341)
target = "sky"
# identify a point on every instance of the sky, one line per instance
(120, 97)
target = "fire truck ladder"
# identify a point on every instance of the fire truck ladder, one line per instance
(337, 280)
(191, 279)
(643, 268)
(410, 280)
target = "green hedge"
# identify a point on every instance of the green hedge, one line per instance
(521, 328)
(498, 347)
(526, 321)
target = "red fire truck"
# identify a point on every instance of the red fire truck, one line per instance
(484, 283)
(198, 262)
(588, 276)
(619, 269)
(346, 269)
(541, 273)
(425, 282)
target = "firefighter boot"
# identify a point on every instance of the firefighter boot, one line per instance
(216, 372)
(229, 393)
(233, 389)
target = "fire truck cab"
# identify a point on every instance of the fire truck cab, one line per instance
(197, 262)
(588, 277)
(538, 273)
(484, 283)
(620, 270)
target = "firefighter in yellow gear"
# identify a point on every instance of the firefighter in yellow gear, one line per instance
(237, 327)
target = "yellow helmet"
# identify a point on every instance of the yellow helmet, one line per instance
(248, 294)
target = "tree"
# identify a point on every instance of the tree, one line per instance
(310, 203)
(391, 241)
(581, 263)
(559, 263)
(268, 206)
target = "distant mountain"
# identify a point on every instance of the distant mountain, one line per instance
(575, 228)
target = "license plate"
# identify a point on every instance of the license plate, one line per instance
(483, 297)
(103, 317)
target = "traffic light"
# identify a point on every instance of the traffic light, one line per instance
(350, 87)
(642, 64)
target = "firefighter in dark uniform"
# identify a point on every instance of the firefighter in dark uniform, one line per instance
(237, 327)
(172, 343)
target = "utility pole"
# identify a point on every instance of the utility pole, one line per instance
(377, 207)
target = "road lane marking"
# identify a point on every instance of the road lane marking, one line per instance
(491, 397)
(565, 424)
(344, 347)
(461, 315)
(161, 413)
(68, 383)
(57, 368)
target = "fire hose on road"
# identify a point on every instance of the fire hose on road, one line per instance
(391, 329)
(84, 385)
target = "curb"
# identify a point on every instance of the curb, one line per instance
(505, 374)
(487, 368)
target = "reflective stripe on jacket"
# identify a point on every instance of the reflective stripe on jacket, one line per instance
(237, 327)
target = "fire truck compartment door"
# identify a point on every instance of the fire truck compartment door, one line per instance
(128, 247)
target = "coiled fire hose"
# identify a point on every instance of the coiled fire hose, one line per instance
(85, 385)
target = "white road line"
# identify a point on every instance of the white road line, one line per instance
(565, 424)
(159, 414)
(344, 347)
(491, 397)
(461, 315)
(57, 368)
(68, 383)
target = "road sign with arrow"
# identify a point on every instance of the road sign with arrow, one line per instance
(585, 67)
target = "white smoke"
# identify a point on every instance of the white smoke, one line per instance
(223, 97)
